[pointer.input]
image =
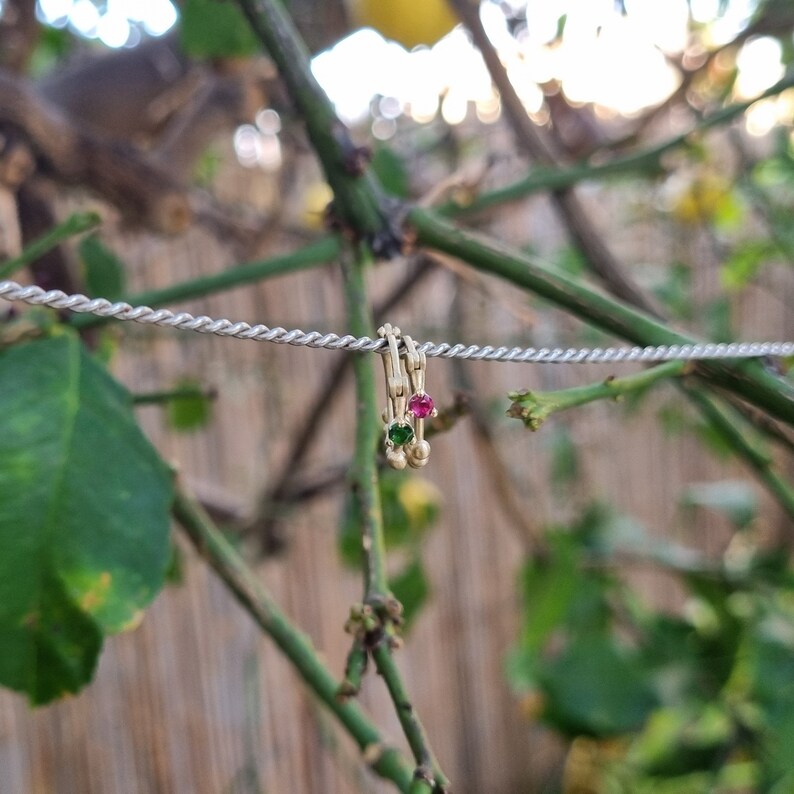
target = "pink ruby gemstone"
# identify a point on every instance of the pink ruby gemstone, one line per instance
(421, 405)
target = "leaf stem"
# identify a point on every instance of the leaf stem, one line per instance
(75, 224)
(747, 379)
(533, 408)
(317, 253)
(159, 397)
(257, 601)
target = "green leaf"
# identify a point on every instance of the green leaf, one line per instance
(391, 172)
(564, 463)
(729, 211)
(675, 290)
(550, 588)
(735, 499)
(683, 740)
(771, 671)
(559, 598)
(216, 29)
(570, 262)
(745, 262)
(718, 321)
(207, 166)
(610, 534)
(191, 409)
(595, 687)
(411, 588)
(673, 419)
(775, 172)
(52, 47)
(84, 516)
(104, 272)
(713, 439)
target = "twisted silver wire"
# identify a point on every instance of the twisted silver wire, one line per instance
(11, 291)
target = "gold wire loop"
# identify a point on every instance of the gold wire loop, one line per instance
(415, 365)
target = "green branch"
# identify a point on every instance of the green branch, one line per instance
(311, 255)
(357, 196)
(75, 224)
(648, 161)
(533, 408)
(747, 379)
(409, 720)
(364, 482)
(364, 472)
(255, 599)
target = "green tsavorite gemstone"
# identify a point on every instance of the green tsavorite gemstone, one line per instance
(400, 434)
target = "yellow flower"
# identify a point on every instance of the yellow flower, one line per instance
(703, 199)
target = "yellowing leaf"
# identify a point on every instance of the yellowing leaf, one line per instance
(84, 516)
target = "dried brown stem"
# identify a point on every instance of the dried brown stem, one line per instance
(119, 173)
(583, 233)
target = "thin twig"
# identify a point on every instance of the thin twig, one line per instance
(533, 408)
(186, 393)
(311, 255)
(647, 161)
(517, 308)
(75, 224)
(259, 604)
(498, 472)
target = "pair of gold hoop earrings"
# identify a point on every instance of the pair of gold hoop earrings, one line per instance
(408, 403)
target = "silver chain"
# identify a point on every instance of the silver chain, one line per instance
(11, 291)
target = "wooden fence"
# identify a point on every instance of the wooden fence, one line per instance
(195, 701)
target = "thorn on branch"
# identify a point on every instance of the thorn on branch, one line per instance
(423, 773)
(355, 159)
